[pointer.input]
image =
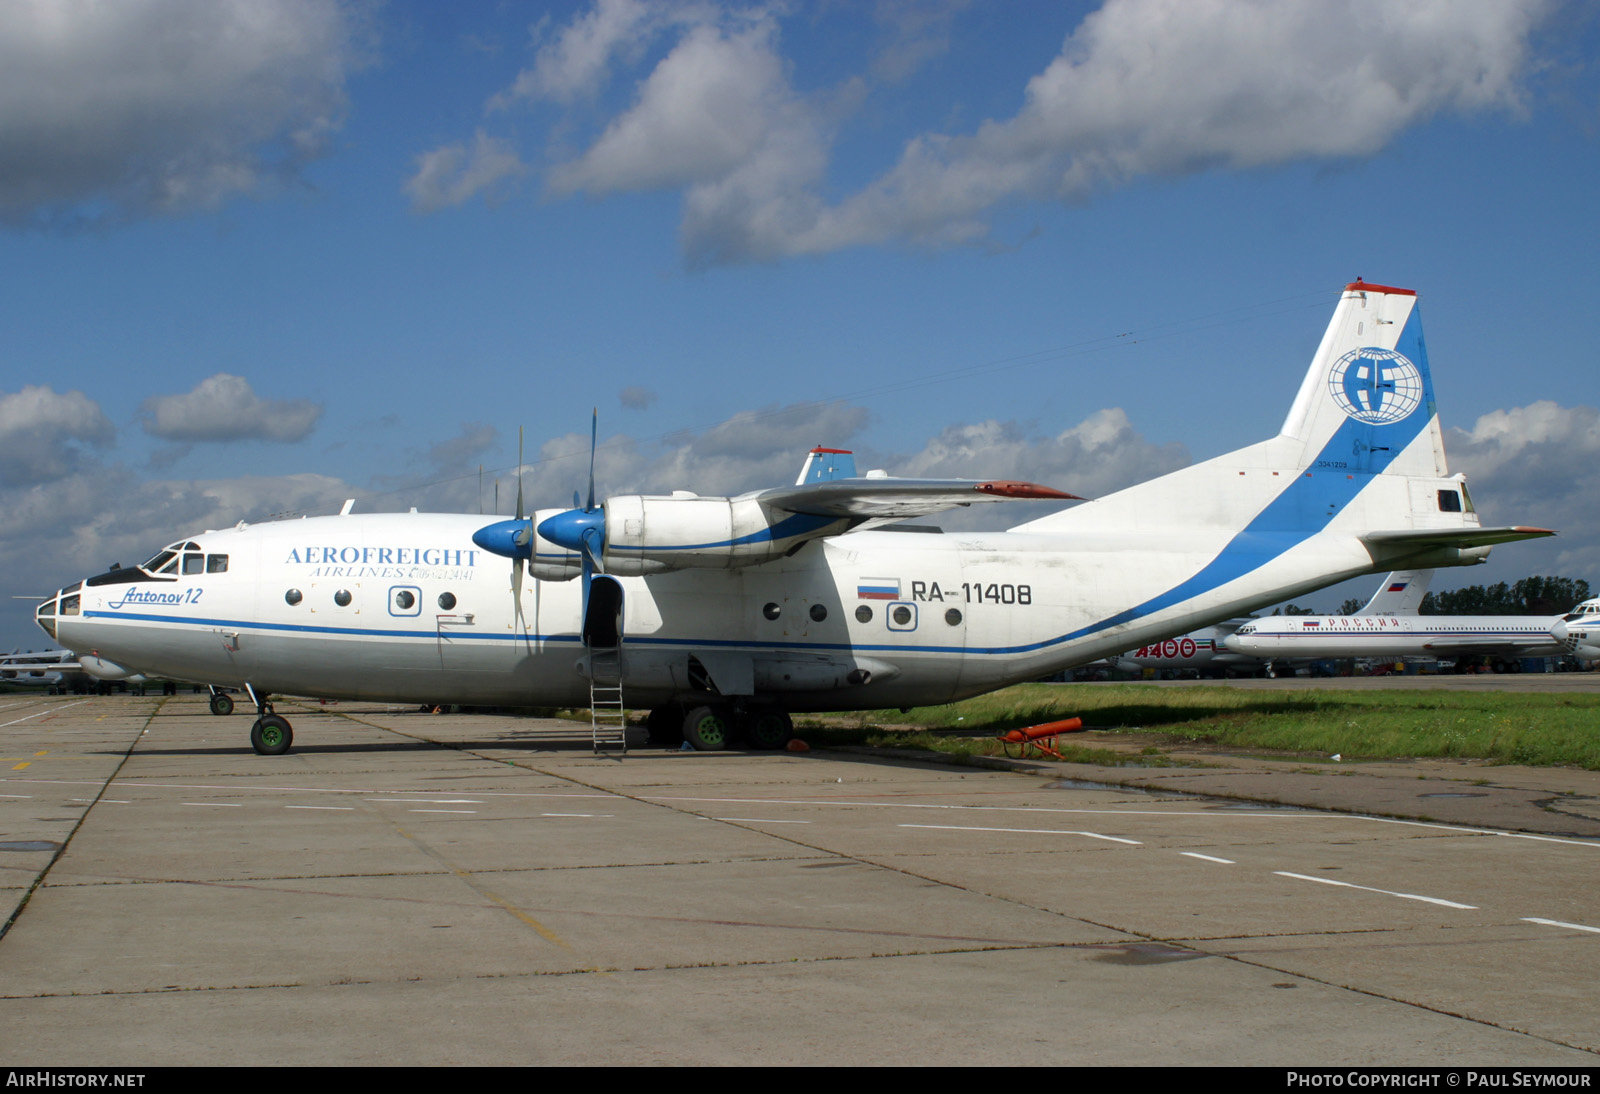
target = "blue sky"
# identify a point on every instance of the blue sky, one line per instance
(261, 257)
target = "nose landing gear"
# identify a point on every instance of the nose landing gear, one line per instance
(270, 734)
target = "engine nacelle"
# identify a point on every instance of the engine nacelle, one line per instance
(649, 534)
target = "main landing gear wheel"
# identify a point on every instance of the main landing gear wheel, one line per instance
(769, 729)
(221, 703)
(708, 729)
(271, 735)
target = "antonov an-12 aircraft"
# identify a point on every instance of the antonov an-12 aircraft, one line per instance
(725, 615)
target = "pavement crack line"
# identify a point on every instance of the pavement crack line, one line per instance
(83, 818)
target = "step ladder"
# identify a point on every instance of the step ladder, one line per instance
(608, 721)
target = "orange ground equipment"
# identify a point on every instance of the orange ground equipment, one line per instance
(1040, 736)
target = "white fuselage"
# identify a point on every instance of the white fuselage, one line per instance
(1395, 636)
(1201, 649)
(430, 618)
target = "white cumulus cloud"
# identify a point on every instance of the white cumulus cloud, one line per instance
(112, 111)
(1530, 465)
(1169, 87)
(42, 434)
(1140, 88)
(705, 109)
(225, 408)
(454, 173)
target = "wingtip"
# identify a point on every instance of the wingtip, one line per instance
(1005, 488)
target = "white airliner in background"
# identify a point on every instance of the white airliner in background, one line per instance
(1499, 638)
(54, 669)
(723, 615)
(1206, 651)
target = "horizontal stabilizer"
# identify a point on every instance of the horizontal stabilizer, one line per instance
(1423, 538)
(897, 499)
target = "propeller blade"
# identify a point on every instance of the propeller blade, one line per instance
(593, 545)
(519, 472)
(594, 436)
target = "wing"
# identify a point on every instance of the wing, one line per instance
(898, 499)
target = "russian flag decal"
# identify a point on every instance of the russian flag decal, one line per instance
(878, 588)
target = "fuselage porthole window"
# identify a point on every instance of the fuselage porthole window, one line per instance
(404, 599)
(864, 614)
(342, 598)
(953, 617)
(292, 597)
(771, 611)
(818, 612)
(447, 601)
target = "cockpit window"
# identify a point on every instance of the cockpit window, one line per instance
(171, 566)
(216, 564)
(194, 564)
(156, 564)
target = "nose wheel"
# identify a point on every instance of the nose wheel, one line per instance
(271, 735)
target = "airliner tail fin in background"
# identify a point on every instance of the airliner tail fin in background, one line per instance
(1400, 593)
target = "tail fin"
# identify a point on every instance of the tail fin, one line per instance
(1364, 415)
(1400, 593)
(1366, 404)
(1361, 454)
(1354, 483)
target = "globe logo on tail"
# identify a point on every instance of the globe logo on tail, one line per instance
(1376, 386)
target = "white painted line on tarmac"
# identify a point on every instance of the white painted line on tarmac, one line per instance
(473, 812)
(241, 788)
(1559, 923)
(1208, 858)
(1257, 814)
(431, 801)
(759, 820)
(215, 805)
(849, 803)
(1385, 892)
(334, 808)
(47, 710)
(595, 815)
(1026, 831)
(16, 795)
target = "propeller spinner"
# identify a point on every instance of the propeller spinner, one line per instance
(511, 539)
(582, 529)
